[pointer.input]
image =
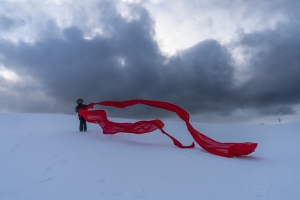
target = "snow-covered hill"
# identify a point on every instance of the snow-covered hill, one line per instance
(46, 157)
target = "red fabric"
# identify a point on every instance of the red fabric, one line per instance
(221, 149)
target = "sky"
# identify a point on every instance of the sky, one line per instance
(226, 61)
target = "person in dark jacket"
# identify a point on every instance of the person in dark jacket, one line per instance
(82, 124)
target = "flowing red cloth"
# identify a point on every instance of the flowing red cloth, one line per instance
(227, 149)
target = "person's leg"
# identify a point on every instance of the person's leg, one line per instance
(84, 125)
(81, 125)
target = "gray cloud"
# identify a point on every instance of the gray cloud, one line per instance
(74, 67)
(275, 68)
(126, 63)
(200, 78)
(7, 23)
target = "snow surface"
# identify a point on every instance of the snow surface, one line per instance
(45, 157)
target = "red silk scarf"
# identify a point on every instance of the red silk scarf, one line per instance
(226, 149)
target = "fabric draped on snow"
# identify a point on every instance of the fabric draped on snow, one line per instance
(227, 149)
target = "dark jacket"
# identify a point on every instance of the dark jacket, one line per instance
(80, 105)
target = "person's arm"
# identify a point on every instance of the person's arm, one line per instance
(76, 109)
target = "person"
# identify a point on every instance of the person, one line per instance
(82, 124)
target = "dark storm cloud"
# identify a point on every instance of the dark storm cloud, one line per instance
(126, 63)
(74, 67)
(275, 68)
(200, 78)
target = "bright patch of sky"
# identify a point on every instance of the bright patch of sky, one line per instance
(180, 24)
(7, 74)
